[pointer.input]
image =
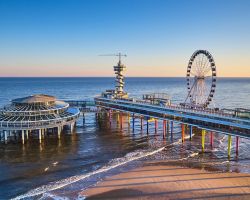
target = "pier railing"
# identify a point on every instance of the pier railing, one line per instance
(38, 124)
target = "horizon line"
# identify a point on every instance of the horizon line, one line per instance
(113, 77)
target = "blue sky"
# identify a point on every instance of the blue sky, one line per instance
(64, 38)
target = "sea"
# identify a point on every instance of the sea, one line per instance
(60, 169)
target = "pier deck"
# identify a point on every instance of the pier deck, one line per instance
(212, 121)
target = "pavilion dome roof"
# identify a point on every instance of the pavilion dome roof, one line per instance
(36, 111)
(33, 99)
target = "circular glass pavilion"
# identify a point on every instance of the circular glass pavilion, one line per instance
(36, 114)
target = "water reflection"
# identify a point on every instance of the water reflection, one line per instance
(92, 146)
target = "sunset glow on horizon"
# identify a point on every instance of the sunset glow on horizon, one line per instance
(61, 38)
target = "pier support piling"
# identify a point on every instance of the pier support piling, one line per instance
(40, 135)
(23, 136)
(141, 123)
(42, 131)
(164, 130)
(109, 116)
(118, 117)
(5, 137)
(27, 134)
(156, 126)
(229, 146)
(133, 122)
(128, 119)
(237, 145)
(203, 135)
(183, 133)
(211, 139)
(71, 128)
(190, 132)
(147, 126)
(121, 120)
(59, 132)
(172, 130)
(83, 118)
(167, 127)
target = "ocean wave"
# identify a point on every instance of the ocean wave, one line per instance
(111, 165)
(52, 196)
(64, 182)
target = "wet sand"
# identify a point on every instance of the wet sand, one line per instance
(163, 181)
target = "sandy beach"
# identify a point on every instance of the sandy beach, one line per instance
(160, 180)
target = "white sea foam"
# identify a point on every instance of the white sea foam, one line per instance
(190, 156)
(113, 164)
(64, 182)
(46, 169)
(52, 196)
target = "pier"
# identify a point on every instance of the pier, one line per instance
(208, 122)
(194, 113)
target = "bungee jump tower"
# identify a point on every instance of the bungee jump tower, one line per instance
(119, 79)
(119, 69)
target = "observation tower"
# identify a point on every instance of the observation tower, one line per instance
(36, 116)
(119, 69)
(119, 79)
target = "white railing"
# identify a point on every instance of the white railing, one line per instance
(38, 124)
(205, 113)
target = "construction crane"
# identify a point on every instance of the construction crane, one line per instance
(120, 55)
(119, 74)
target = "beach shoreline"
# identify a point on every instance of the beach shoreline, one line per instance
(166, 180)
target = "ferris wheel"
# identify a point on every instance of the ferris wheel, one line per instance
(201, 79)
